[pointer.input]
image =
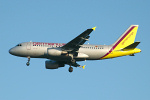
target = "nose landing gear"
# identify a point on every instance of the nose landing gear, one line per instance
(28, 63)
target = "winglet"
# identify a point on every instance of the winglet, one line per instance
(94, 28)
(83, 66)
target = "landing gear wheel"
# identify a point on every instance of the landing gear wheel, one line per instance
(27, 63)
(70, 69)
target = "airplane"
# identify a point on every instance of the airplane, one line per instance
(60, 54)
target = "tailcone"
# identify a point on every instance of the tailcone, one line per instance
(136, 50)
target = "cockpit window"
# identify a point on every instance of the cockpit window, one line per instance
(19, 45)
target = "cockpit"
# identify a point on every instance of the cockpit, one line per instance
(18, 45)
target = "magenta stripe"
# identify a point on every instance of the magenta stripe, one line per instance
(118, 42)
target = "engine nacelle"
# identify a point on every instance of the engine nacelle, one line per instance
(53, 64)
(56, 52)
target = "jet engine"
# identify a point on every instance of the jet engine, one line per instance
(53, 64)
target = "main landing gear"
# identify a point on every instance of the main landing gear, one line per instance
(70, 69)
(73, 63)
(28, 63)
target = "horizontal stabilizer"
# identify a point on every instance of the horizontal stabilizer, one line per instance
(131, 46)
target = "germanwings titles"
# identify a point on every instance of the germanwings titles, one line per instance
(59, 54)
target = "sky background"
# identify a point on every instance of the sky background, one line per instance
(59, 21)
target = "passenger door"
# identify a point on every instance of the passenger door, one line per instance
(29, 46)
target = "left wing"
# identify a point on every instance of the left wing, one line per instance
(77, 42)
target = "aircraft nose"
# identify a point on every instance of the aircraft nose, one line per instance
(11, 51)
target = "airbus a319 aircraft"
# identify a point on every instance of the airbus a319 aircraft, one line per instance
(59, 54)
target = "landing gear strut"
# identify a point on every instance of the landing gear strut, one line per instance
(70, 69)
(28, 63)
(73, 62)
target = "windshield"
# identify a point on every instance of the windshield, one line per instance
(18, 45)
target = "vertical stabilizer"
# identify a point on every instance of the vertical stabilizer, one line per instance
(126, 38)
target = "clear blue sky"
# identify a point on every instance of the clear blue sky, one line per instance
(124, 78)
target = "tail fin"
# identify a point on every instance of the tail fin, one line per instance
(126, 39)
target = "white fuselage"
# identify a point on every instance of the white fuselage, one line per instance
(40, 50)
